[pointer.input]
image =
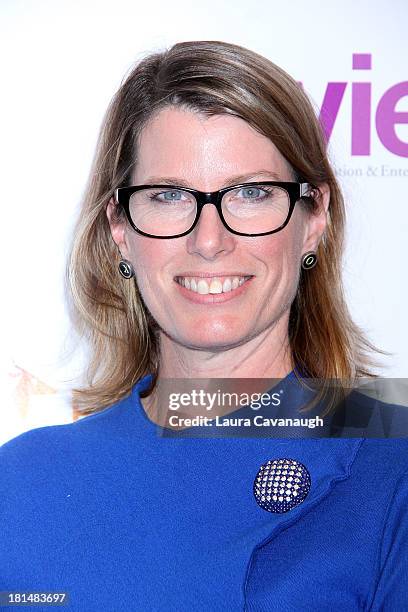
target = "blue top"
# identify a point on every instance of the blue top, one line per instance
(123, 519)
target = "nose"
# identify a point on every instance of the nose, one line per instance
(210, 237)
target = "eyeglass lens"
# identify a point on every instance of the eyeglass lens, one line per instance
(251, 209)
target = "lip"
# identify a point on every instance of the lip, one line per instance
(213, 298)
(211, 274)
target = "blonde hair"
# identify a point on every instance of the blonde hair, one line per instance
(212, 78)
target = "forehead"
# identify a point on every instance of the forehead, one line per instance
(178, 142)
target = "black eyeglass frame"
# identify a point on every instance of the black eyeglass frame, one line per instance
(296, 191)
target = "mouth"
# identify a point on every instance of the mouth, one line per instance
(213, 285)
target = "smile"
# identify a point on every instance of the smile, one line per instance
(213, 286)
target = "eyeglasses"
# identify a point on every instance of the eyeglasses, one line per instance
(249, 209)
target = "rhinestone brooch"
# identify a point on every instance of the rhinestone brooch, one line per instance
(281, 484)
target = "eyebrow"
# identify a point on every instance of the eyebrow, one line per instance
(232, 180)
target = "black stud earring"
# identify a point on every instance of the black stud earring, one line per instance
(126, 269)
(309, 260)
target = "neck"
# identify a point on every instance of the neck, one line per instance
(267, 355)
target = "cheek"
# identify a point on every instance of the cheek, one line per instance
(281, 256)
(282, 253)
(149, 258)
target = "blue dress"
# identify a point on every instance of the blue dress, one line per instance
(124, 519)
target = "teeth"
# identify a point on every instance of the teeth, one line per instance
(227, 286)
(216, 285)
(202, 287)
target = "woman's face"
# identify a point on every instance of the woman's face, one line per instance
(205, 153)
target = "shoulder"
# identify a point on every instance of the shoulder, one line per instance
(54, 446)
(365, 415)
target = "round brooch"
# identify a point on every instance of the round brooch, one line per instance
(281, 484)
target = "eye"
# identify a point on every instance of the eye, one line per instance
(170, 196)
(251, 192)
(255, 192)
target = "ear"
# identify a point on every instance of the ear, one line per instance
(317, 220)
(117, 228)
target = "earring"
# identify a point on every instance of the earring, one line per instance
(126, 269)
(309, 260)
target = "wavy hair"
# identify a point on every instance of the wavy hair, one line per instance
(213, 78)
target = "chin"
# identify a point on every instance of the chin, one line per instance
(212, 338)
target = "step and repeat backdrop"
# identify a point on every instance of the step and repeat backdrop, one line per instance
(61, 62)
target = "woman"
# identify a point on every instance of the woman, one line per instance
(211, 165)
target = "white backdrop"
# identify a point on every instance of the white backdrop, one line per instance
(61, 62)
